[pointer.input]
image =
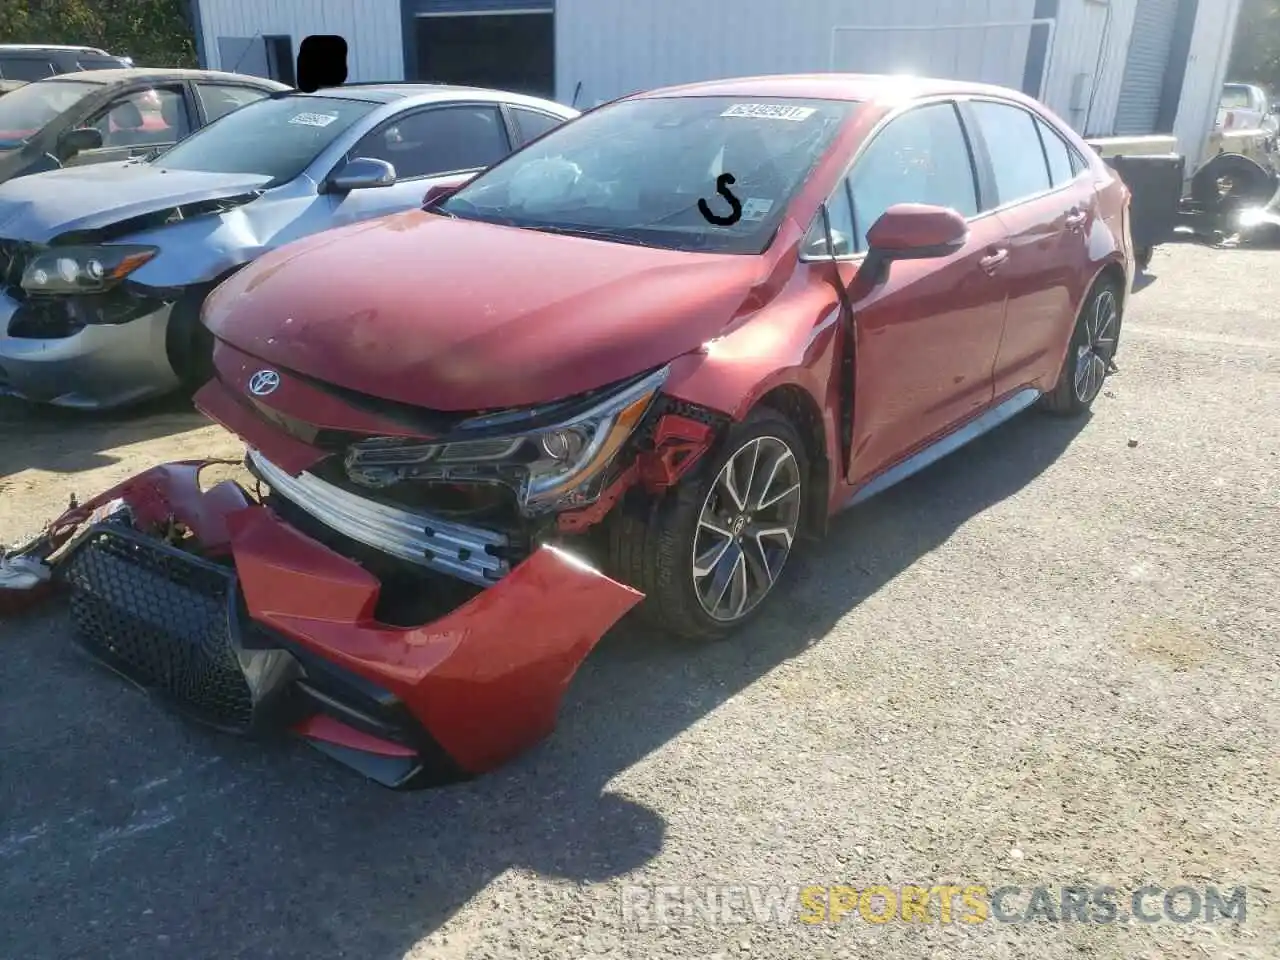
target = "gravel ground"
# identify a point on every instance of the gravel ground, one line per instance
(1049, 660)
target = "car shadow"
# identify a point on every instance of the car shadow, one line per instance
(270, 850)
(68, 441)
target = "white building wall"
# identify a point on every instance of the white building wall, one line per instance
(375, 49)
(616, 47)
(1087, 63)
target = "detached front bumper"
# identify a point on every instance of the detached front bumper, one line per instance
(269, 630)
(98, 367)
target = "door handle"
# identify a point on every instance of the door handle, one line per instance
(994, 260)
(1076, 218)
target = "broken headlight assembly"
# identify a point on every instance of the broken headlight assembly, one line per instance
(67, 271)
(548, 469)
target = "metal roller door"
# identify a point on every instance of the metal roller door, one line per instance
(1154, 26)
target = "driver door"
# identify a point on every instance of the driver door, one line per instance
(138, 123)
(926, 337)
(428, 146)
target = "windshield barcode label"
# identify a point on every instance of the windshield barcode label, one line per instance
(770, 111)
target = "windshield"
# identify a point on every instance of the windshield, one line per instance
(271, 138)
(25, 111)
(635, 171)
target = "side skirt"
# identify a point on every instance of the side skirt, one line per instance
(950, 443)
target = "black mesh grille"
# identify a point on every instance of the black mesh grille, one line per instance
(160, 616)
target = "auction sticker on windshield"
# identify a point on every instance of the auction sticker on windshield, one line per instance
(770, 111)
(314, 119)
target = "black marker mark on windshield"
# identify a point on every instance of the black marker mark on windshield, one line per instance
(322, 62)
(722, 188)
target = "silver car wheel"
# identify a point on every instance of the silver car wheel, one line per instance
(746, 528)
(1093, 357)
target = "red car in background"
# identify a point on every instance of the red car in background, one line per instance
(635, 363)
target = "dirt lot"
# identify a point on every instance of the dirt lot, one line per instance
(1052, 659)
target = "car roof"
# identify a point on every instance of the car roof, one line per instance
(859, 87)
(394, 91)
(51, 46)
(161, 73)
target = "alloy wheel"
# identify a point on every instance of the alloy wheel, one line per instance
(1093, 357)
(746, 528)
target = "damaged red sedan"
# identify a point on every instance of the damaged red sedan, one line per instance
(632, 365)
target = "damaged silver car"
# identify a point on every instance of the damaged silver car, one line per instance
(103, 269)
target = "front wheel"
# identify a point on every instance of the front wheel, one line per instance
(1089, 357)
(708, 555)
(188, 342)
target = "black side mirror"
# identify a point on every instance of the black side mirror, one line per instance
(78, 140)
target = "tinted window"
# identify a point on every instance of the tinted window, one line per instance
(26, 68)
(534, 124)
(1014, 147)
(271, 138)
(1061, 168)
(921, 157)
(24, 111)
(219, 99)
(634, 171)
(840, 214)
(144, 118)
(100, 63)
(442, 140)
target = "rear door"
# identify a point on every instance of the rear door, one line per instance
(425, 146)
(927, 336)
(1041, 192)
(218, 99)
(530, 124)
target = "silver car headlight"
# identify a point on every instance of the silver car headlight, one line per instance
(73, 270)
(549, 469)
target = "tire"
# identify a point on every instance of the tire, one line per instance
(653, 541)
(187, 341)
(1142, 258)
(1250, 183)
(1088, 345)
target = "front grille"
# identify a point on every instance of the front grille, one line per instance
(160, 617)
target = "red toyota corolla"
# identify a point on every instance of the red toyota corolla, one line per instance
(637, 362)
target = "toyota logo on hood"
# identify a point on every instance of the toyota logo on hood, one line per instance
(264, 382)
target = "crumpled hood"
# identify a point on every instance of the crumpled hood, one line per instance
(40, 207)
(456, 315)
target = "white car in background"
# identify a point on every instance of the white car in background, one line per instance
(1246, 106)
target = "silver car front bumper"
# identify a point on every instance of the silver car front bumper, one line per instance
(101, 366)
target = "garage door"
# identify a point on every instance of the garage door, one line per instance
(1154, 24)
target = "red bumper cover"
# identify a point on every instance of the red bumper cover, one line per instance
(484, 682)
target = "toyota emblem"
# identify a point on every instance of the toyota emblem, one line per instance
(264, 382)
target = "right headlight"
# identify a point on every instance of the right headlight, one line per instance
(549, 469)
(72, 270)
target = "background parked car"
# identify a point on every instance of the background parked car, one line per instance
(103, 269)
(1246, 106)
(25, 62)
(103, 115)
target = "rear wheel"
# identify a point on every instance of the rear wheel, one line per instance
(1089, 357)
(709, 554)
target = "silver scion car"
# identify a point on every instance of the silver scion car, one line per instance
(103, 269)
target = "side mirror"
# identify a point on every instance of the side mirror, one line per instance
(439, 192)
(361, 174)
(910, 231)
(75, 141)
